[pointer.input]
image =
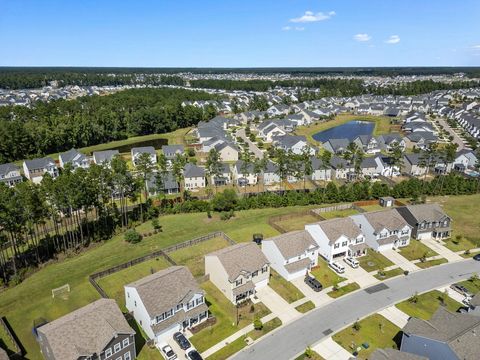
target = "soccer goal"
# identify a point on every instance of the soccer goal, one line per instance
(61, 291)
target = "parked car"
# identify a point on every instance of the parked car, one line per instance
(168, 353)
(352, 262)
(193, 355)
(463, 310)
(339, 268)
(181, 340)
(466, 300)
(313, 283)
(460, 289)
(477, 257)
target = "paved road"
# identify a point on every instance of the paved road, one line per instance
(253, 147)
(456, 139)
(291, 340)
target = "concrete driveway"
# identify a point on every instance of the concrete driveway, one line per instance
(442, 250)
(277, 305)
(318, 298)
(251, 146)
(395, 315)
(399, 260)
(330, 350)
(359, 275)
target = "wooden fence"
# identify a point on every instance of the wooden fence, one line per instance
(16, 346)
(159, 253)
(333, 208)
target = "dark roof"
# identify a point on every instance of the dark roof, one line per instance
(192, 170)
(393, 354)
(102, 156)
(6, 168)
(39, 163)
(72, 155)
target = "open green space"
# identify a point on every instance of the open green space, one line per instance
(373, 261)
(416, 250)
(338, 213)
(193, 256)
(343, 290)
(297, 223)
(430, 263)
(375, 207)
(289, 292)
(226, 314)
(113, 284)
(305, 307)
(375, 330)
(238, 344)
(426, 304)
(325, 275)
(389, 274)
(32, 298)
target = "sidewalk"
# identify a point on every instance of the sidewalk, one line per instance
(442, 250)
(399, 260)
(235, 336)
(395, 315)
(330, 350)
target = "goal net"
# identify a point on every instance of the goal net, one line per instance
(61, 292)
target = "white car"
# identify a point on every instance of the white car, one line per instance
(466, 300)
(352, 262)
(339, 268)
(168, 353)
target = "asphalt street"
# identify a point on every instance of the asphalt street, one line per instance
(292, 339)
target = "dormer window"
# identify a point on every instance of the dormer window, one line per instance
(239, 282)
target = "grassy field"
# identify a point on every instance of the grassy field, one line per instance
(325, 275)
(375, 330)
(343, 290)
(464, 212)
(430, 263)
(305, 307)
(113, 284)
(297, 223)
(373, 261)
(415, 250)
(460, 244)
(226, 315)
(382, 125)
(427, 304)
(193, 257)
(284, 288)
(338, 213)
(389, 274)
(375, 207)
(32, 299)
(5, 342)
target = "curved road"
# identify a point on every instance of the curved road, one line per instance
(292, 339)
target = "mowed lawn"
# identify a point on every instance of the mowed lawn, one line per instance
(323, 273)
(32, 299)
(338, 213)
(297, 223)
(373, 261)
(415, 250)
(375, 330)
(289, 292)
(427, 304)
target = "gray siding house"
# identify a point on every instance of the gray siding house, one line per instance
(428, 221)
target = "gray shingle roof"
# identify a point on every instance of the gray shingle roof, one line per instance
(241, 258)
(6, 168)
(389, 219)
(393, 354)
(293, 243)
(143, 149)
(427, 212)
(173, 149)
(334, 228)
(192, 170)
(72, 155)
(85, 331)
(103, 156)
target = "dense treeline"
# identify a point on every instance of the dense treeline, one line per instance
(62, 124)
(421, 87)
(38, 79)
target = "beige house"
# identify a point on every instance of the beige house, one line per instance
(227, 152)
(238, 271)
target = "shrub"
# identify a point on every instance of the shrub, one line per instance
(226, 215)
(257, 324)
(413, 299)
(356, 326)
(132, 236)
(406, 272)
(156, 224)
(308, 352)
(252, 308)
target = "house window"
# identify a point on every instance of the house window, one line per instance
(238, 282)
(125, 342)
(264, 269)
(336, 246)
(190, 305)
(135, 303)
(179, 306)
(255, 273)
(108, 352)
(128, 295)
(345, 243)
(200, 300)
(127, 356)
(117, 347)
(119, 358)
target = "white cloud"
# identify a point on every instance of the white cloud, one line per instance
(394, 39)
(476, 47)
(362, 37)
(290, 28)
(310, 16)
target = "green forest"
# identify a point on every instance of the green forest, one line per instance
(62, 124)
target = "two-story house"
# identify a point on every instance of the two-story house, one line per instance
(137, 151)
(170, 151)
(98, 331)
(166, 302)
(75, 158)
(104, 157)
(244, 175)
(292, 254)
(224, 177)
(35, 169)
(194, 176)
(384, 229)
(368, 143)
(337, 238)
(10, 174)
(428, 221)
(238, 271)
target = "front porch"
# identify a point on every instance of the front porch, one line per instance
(243, 292)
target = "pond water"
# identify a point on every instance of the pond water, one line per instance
(349, 130)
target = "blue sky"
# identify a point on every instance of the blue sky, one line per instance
(242, 33)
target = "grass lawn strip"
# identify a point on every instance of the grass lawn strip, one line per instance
(343, 290)
(375, 330)
(416, 250)
(225, 313)
(305, 307)
(430, 263)
(427, 304)
(289, 292)
(374, 261)
(473, 285)
(325, 275)
(389, 274)
(238, 344)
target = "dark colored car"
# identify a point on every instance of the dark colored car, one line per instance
(460, 289)
(181, 340)
(313, 283)
(477, 257)
(193, 355)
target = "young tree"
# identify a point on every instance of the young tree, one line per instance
(306, 162)
(396, 156)
(245, 166)
(214, 166)
(326, 163)
(145, 167)
(178, 165)
(259, 166)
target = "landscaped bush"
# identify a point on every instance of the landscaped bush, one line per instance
(132, 236)
(257, 324)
